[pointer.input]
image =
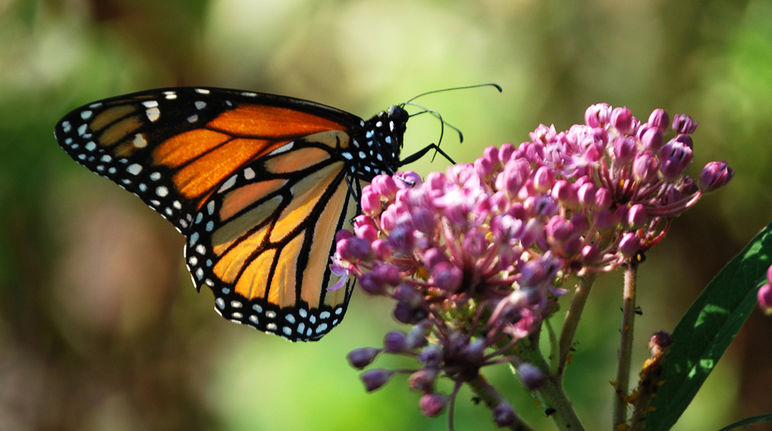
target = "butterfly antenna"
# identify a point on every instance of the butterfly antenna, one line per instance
(443, 123)
(465, 87)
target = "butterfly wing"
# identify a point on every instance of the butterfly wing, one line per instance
(256, 182)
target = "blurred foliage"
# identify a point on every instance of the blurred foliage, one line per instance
(99, 328)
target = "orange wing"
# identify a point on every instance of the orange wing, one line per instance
(259, 184)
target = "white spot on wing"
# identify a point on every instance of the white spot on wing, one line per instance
(150, 104)
(85, 114)
(161, 191)
(202, 91)
(153, 114)
(249, 173)
(228, 184)
(283, 149)
(200, 104)
(134, 169)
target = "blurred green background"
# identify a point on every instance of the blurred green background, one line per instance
(99, 325)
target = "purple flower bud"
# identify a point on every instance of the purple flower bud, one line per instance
(636, 216)
(597, 115)
(474, 244)
(394, 342)
(389, 274)
(432, 404)
(533, 273)
(622, 119)
(586, 194)
(625, 148)
(602, 198)
(531, 376)
(651, 138)
(564, 192)
(417, 336)
(447, 276)
(659, 119)
(381, 249)
(604, 219)
(675, 156)
(409, 294)
(423, 220)
(354, 249)
(362, 357)
(431, 355)
(543, 179)
(433, 256)
(404, 312)
(371, 201)
(422, 380)
(629, 244)
(401, 238)
(645, 167)
(504, 415)
(580, 223)
(505, 152)
(765, 298)
(367, 232)
(342, 234)
(383, 185)
(473, 352)
(408, 179)
(683, 123)
(374, 379)
(491, 154)
(372, 284)
(715, 175)
(483, 167)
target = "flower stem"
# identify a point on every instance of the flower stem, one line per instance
(625, 344)
(492, 398)
(551, 393)
(582, 291)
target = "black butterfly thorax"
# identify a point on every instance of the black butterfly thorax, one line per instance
(377, 144)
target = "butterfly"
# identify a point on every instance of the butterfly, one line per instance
(259, 184)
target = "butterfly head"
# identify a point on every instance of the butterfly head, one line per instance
(380, 143)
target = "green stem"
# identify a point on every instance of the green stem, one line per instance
(625, 345)
(492, 399)
(574, 313)
(551, 393)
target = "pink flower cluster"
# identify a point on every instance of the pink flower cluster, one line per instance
(474, 257)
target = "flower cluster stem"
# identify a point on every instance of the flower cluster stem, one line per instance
(492, 398)
(551, 393)
(625, 345)
(574, 313)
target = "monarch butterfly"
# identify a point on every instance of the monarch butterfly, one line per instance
(259, 184)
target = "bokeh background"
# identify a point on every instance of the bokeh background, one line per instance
(100, 327)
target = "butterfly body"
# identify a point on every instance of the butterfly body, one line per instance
(259, 184)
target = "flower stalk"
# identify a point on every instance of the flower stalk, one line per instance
(622, 384)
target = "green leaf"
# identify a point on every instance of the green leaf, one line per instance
(765, 418)
(707, 329)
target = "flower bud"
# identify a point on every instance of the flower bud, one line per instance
(422, 380)
(636, 216)
(651, 138)
(404, 312)
(625, 148)
(504, 415)
(432, 404)
(431, 355)
(372, 284)
(597, 115)
(362, 357)
(394, 342)
(374, 379)
(765, 298)
(675, 156)
(543, 179)
(447, 276)
(645, 167)
(683, 123)
(715, 175)
(622, 119)
(659, 119)
(354, 249)
(629, 244)
(505, 152)
(531, 376)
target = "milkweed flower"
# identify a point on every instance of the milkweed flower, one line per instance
(474, 258)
